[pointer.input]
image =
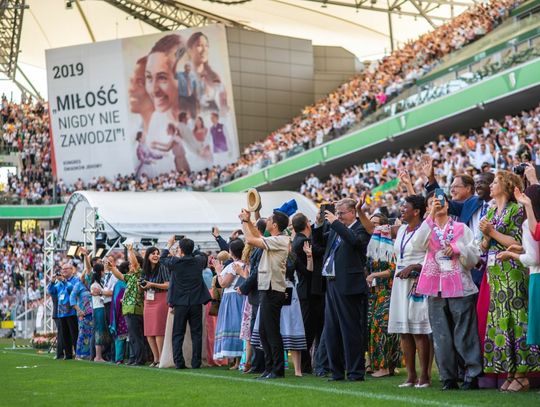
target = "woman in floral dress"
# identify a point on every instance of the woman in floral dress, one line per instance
(505, 347)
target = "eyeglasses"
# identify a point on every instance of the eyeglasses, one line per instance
(343, 213)
(457, 186)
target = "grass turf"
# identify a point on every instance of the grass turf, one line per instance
(31, 378)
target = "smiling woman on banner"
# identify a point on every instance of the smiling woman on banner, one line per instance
(162, 87)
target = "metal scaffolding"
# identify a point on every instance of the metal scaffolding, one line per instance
(170, 15)
(49, 247)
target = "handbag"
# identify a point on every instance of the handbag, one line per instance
(216, 294)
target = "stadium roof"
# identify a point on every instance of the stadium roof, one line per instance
(161, 214)
(361, 26)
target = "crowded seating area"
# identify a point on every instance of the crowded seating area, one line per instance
(25, 125)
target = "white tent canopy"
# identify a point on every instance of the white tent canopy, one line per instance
(158, 215)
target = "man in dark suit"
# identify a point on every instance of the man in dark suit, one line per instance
(186, 296)
(309, 286)
(345, 321)
(249, 288)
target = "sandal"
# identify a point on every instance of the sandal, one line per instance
(506, 384)
(522, 387)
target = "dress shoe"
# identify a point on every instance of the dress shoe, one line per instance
(335, 379)
(273, 376)
(254, 370)
(181, 367)
(356, 379)
(450, 385)
(321, 374)
(263, 375)
(470, 384)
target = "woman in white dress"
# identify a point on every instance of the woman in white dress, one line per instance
(409, 310)
(408, 314)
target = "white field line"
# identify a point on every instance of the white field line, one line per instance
(409, 399)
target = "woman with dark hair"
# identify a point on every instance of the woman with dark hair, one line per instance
(212, 92)
(228, 343)
(529, 255)
(383, 348)
(155, 283)
(132, 304)
(408, 310)
(505, 347)
(98, 307)
(118, 326)
(408, 314)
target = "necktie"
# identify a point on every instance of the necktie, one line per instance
(484, 210)
(329, 267)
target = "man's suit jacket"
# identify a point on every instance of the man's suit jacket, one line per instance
(463, 210)
(349, 257)
(309, 282)
(250, 286)
(186, 286)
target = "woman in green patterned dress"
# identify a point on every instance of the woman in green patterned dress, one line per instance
(505, 347)
(383, 349)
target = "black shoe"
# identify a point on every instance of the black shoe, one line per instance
(336, 379)
(263, 375)
(450, 385)
(356, 379)
(181, 367)
(68, 357)
(321, 374)
(470, 384)
(273, 376)
(254, 370)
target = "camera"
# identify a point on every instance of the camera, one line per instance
(330, 207)
(178, 237)
(520, 169)
(142, 282)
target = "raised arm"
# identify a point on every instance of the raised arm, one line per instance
(366, 222)
(109, 265)
(253, 237)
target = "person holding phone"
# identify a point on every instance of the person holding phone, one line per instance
(446, 280)
(132, 304)
(155, 283)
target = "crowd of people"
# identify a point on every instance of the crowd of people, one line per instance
(352, 292)
(20, 253)
(25, 126)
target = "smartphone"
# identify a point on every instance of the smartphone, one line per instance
(392, 221)
(330, 207)
(178, 237)
(439, 194)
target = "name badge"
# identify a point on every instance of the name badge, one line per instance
(491, 259)
(61, 297)
(445, 262)
(150, 295)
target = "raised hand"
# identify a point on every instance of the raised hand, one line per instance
(307, 249)
(426, 165)
(361, 201)
(521, 197)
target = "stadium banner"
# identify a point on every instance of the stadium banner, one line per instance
(143, 105)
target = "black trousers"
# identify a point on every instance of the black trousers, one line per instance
(269, 330)
(182, 315)
(313, 317)
(136, 338)
(108, 347)
(345, 320)
(258, 364)
(70, 332)
(59, 339)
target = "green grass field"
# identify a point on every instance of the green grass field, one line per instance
(34, 379)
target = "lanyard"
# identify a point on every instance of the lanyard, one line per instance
(405, 242)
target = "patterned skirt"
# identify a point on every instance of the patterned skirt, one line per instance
(101, 333)
(291, 326)
(86, 330)
(384, 348)
(505, 346)
(228, 343)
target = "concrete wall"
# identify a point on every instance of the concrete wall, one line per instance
(272, 78)
(333, 67)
